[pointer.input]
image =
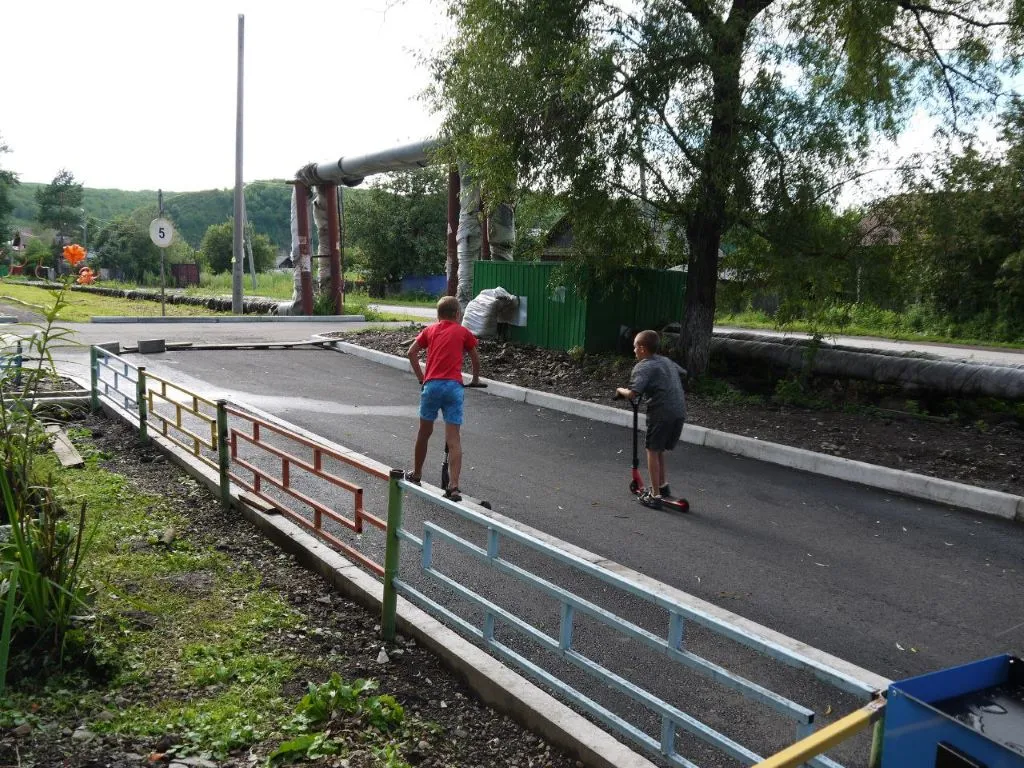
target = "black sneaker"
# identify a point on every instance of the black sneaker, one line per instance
(648, 500)
(454, 494)
(664, 491)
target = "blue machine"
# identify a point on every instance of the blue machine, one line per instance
(970, 716)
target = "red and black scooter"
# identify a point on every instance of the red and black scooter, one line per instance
(636, 484)
(444, 462)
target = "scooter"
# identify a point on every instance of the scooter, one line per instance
(444, 462)
(636, 484)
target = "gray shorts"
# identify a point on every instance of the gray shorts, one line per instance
(662, 435)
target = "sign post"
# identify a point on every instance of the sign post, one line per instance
(161, 232)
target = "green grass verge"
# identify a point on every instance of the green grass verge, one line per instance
(82, 306)
(192, 642)
(762, 321)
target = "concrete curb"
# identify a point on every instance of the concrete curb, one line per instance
(989, 502)
(497, 685)
(234, 319)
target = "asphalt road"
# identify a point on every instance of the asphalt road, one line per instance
(897, 586)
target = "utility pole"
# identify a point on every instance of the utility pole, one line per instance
(236, 251)
(163, 258)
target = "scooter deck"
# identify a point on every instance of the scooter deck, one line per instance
(668, 502)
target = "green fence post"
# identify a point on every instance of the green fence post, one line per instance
(223, 454)
(140, 398)
(875, 760)
(389, 604)
(94, 378)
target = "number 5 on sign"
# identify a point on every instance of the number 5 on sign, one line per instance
(161, 232)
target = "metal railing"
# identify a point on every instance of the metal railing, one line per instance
(186, 407)
(11, 356)
(116, 379)
(671, 645)
(257, 439)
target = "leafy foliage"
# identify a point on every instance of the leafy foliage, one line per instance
(60, 204)
(218, 249)
(401, 225)
(41, 588)
(710, 115)
(8, 180)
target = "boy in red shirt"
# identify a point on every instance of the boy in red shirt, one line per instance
(445, 342)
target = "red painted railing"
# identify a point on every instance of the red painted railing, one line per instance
(258, 438)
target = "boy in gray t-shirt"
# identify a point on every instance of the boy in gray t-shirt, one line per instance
(657, 378)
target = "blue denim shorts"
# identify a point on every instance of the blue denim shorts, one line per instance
(444, 394)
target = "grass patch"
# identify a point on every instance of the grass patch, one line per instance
(82, 306)
(191, 645)
(868, 322)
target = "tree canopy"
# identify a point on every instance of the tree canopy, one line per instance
(400, 226)
(218, 248)
(60, 206)
(8, 179)
(713, 115)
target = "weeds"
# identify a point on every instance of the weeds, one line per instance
(42, 554)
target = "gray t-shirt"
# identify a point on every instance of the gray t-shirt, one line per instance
(657, 379)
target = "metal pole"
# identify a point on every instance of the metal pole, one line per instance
(236, 251)
(223, 455)
(248, 242)
(163, 275)
(341, 244)
(389, 603)
(305, 259)
(453, 228)
(94, 378)
(330, 192)
(140, 398)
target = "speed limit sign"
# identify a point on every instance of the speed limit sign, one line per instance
(161, 232)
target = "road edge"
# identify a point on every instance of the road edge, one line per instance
(984, 500)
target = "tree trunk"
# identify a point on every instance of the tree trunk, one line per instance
(709, 194)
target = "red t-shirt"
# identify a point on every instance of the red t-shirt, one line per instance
(445, 342)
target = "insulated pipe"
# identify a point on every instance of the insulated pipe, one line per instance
(330, 193)
(453, 226)
(302, 219)
(351, 171)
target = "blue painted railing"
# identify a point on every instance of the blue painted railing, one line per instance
(671, 645)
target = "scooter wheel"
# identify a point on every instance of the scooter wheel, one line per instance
(684, 505)
(485, 504)
(634, 486)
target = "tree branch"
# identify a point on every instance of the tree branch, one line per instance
(678, 139)
(942, 64)
(916, 8)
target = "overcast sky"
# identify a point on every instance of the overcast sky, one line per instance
(141, 95)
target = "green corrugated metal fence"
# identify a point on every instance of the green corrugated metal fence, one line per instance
(558, 317)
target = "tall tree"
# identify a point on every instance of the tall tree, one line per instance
(711, 113)
(8, 179)
(218, 248)
(60, 205)
(400, 225)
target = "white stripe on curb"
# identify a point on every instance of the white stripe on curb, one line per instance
(984, 500)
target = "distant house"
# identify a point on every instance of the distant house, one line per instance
(558, 244)
(875, 231)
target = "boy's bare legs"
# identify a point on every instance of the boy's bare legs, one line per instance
(655, 468)
(662, 479)
(453, 437)
(420, 451)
